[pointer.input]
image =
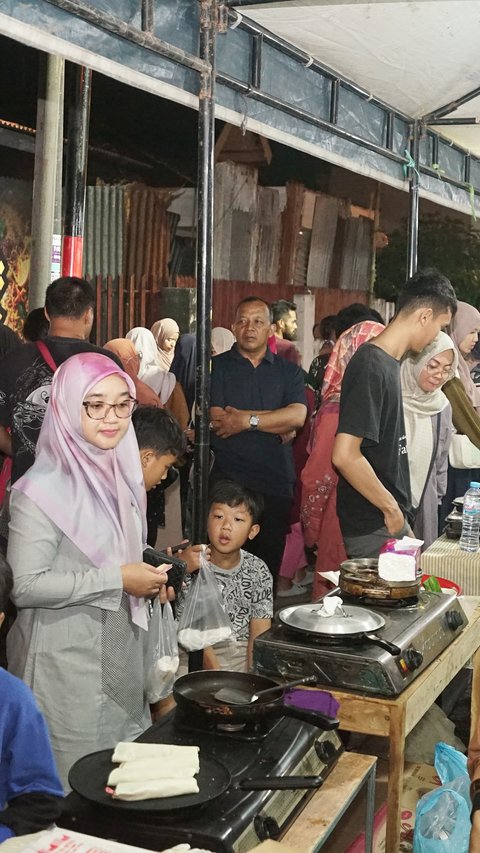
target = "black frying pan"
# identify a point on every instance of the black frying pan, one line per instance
(352, 624)
(195, 693)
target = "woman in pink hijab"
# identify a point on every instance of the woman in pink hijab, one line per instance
(77, 534)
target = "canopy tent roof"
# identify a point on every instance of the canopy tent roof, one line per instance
(416, 56)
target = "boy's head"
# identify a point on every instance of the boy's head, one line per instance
(6, 585)
(233, 516)
(429, 301)
(160, 440)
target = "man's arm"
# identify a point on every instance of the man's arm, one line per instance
(230, 421)
(5, 442)
(350, 461)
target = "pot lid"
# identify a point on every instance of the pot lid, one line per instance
(345, 622)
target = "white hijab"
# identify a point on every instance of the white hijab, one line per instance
(158, 379)
(419, 407)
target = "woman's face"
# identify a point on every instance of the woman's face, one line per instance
(169, 343)
(469, 342)
(436, 372)
(105, 426)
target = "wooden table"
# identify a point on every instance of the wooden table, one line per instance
(395, 718)
(446, 559)
(326, 808)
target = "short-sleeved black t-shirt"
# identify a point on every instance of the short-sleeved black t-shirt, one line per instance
(371, 408)
(256, 459)
(25, 380)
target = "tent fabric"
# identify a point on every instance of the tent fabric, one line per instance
(415, 56)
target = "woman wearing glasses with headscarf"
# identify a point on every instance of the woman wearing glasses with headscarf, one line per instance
(428, 424)
(77, 534)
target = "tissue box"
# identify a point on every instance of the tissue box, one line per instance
(399, 560)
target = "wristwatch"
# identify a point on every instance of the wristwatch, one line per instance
(254, 421)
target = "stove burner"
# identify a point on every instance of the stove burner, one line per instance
(249, 731)
(384, 603)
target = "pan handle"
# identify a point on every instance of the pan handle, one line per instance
(315, 718)
(281, 783)
(384, 644)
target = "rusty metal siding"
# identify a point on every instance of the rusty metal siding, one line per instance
(104, 231)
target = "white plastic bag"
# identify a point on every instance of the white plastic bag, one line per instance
(163, 652)
(203, 620)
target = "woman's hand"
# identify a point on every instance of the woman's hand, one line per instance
(140, 579)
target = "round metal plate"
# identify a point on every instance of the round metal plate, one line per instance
(88, 777)
(306, 617)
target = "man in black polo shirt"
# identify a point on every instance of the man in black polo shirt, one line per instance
(256, 398)
(25, 375)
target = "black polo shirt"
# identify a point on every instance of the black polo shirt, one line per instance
(256, 459)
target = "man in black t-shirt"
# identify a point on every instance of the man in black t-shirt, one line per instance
(370, 451)
(25, 375)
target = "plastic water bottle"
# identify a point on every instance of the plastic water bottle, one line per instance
(469, 540)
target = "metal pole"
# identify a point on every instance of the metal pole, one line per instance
(76, 172)
(412, 244)
(48, 148)
(206, 145)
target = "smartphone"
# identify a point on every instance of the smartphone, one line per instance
(175, 575)
(181, 547)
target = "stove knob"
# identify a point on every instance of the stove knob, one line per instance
(266, 827)
(325, 750)
(413, 658)
(454, 619)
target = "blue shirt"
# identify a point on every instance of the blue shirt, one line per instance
(253, 458)
(26, 759)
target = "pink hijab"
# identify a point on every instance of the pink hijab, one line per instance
(90, 494)
(465, 321)
(342, 352)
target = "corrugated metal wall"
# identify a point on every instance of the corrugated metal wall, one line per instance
(104, 231)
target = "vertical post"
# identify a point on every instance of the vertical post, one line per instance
(412, 244)
(48, 153)
(206, 144)
(373, 260)
(76, 172)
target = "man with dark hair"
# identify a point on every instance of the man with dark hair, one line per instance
(31, 795)
(26, 373)
(256, 398)
(370, 450)
(284, 317)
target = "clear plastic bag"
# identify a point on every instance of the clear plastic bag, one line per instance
(163, 652)
(442, 821)
(203, 620)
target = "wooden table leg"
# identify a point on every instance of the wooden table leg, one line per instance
(475, 700)
(395, 778)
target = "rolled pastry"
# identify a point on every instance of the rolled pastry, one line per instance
(126, 751)
(158, 789)
(144, 771)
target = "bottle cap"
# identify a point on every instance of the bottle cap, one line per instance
(475, 485)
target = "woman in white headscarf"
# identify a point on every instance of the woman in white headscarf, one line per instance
(156, 377)
(428, 424)
(222, 340)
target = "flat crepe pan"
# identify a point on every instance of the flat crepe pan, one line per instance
(356, 625)
(88, 777)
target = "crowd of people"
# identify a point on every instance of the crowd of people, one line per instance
(306, 467)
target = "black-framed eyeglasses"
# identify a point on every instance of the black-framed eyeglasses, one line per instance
(97, 410)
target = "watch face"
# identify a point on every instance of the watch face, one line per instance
(254, 421)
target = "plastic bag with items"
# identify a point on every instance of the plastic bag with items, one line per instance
(163, 652)
(442, 821)
(203, 620)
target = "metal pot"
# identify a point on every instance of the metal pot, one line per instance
(352, 624)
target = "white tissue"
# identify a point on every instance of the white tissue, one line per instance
(330, 605)
(397, 567)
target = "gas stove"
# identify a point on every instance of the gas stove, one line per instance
(237, 821)
(422, 629)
